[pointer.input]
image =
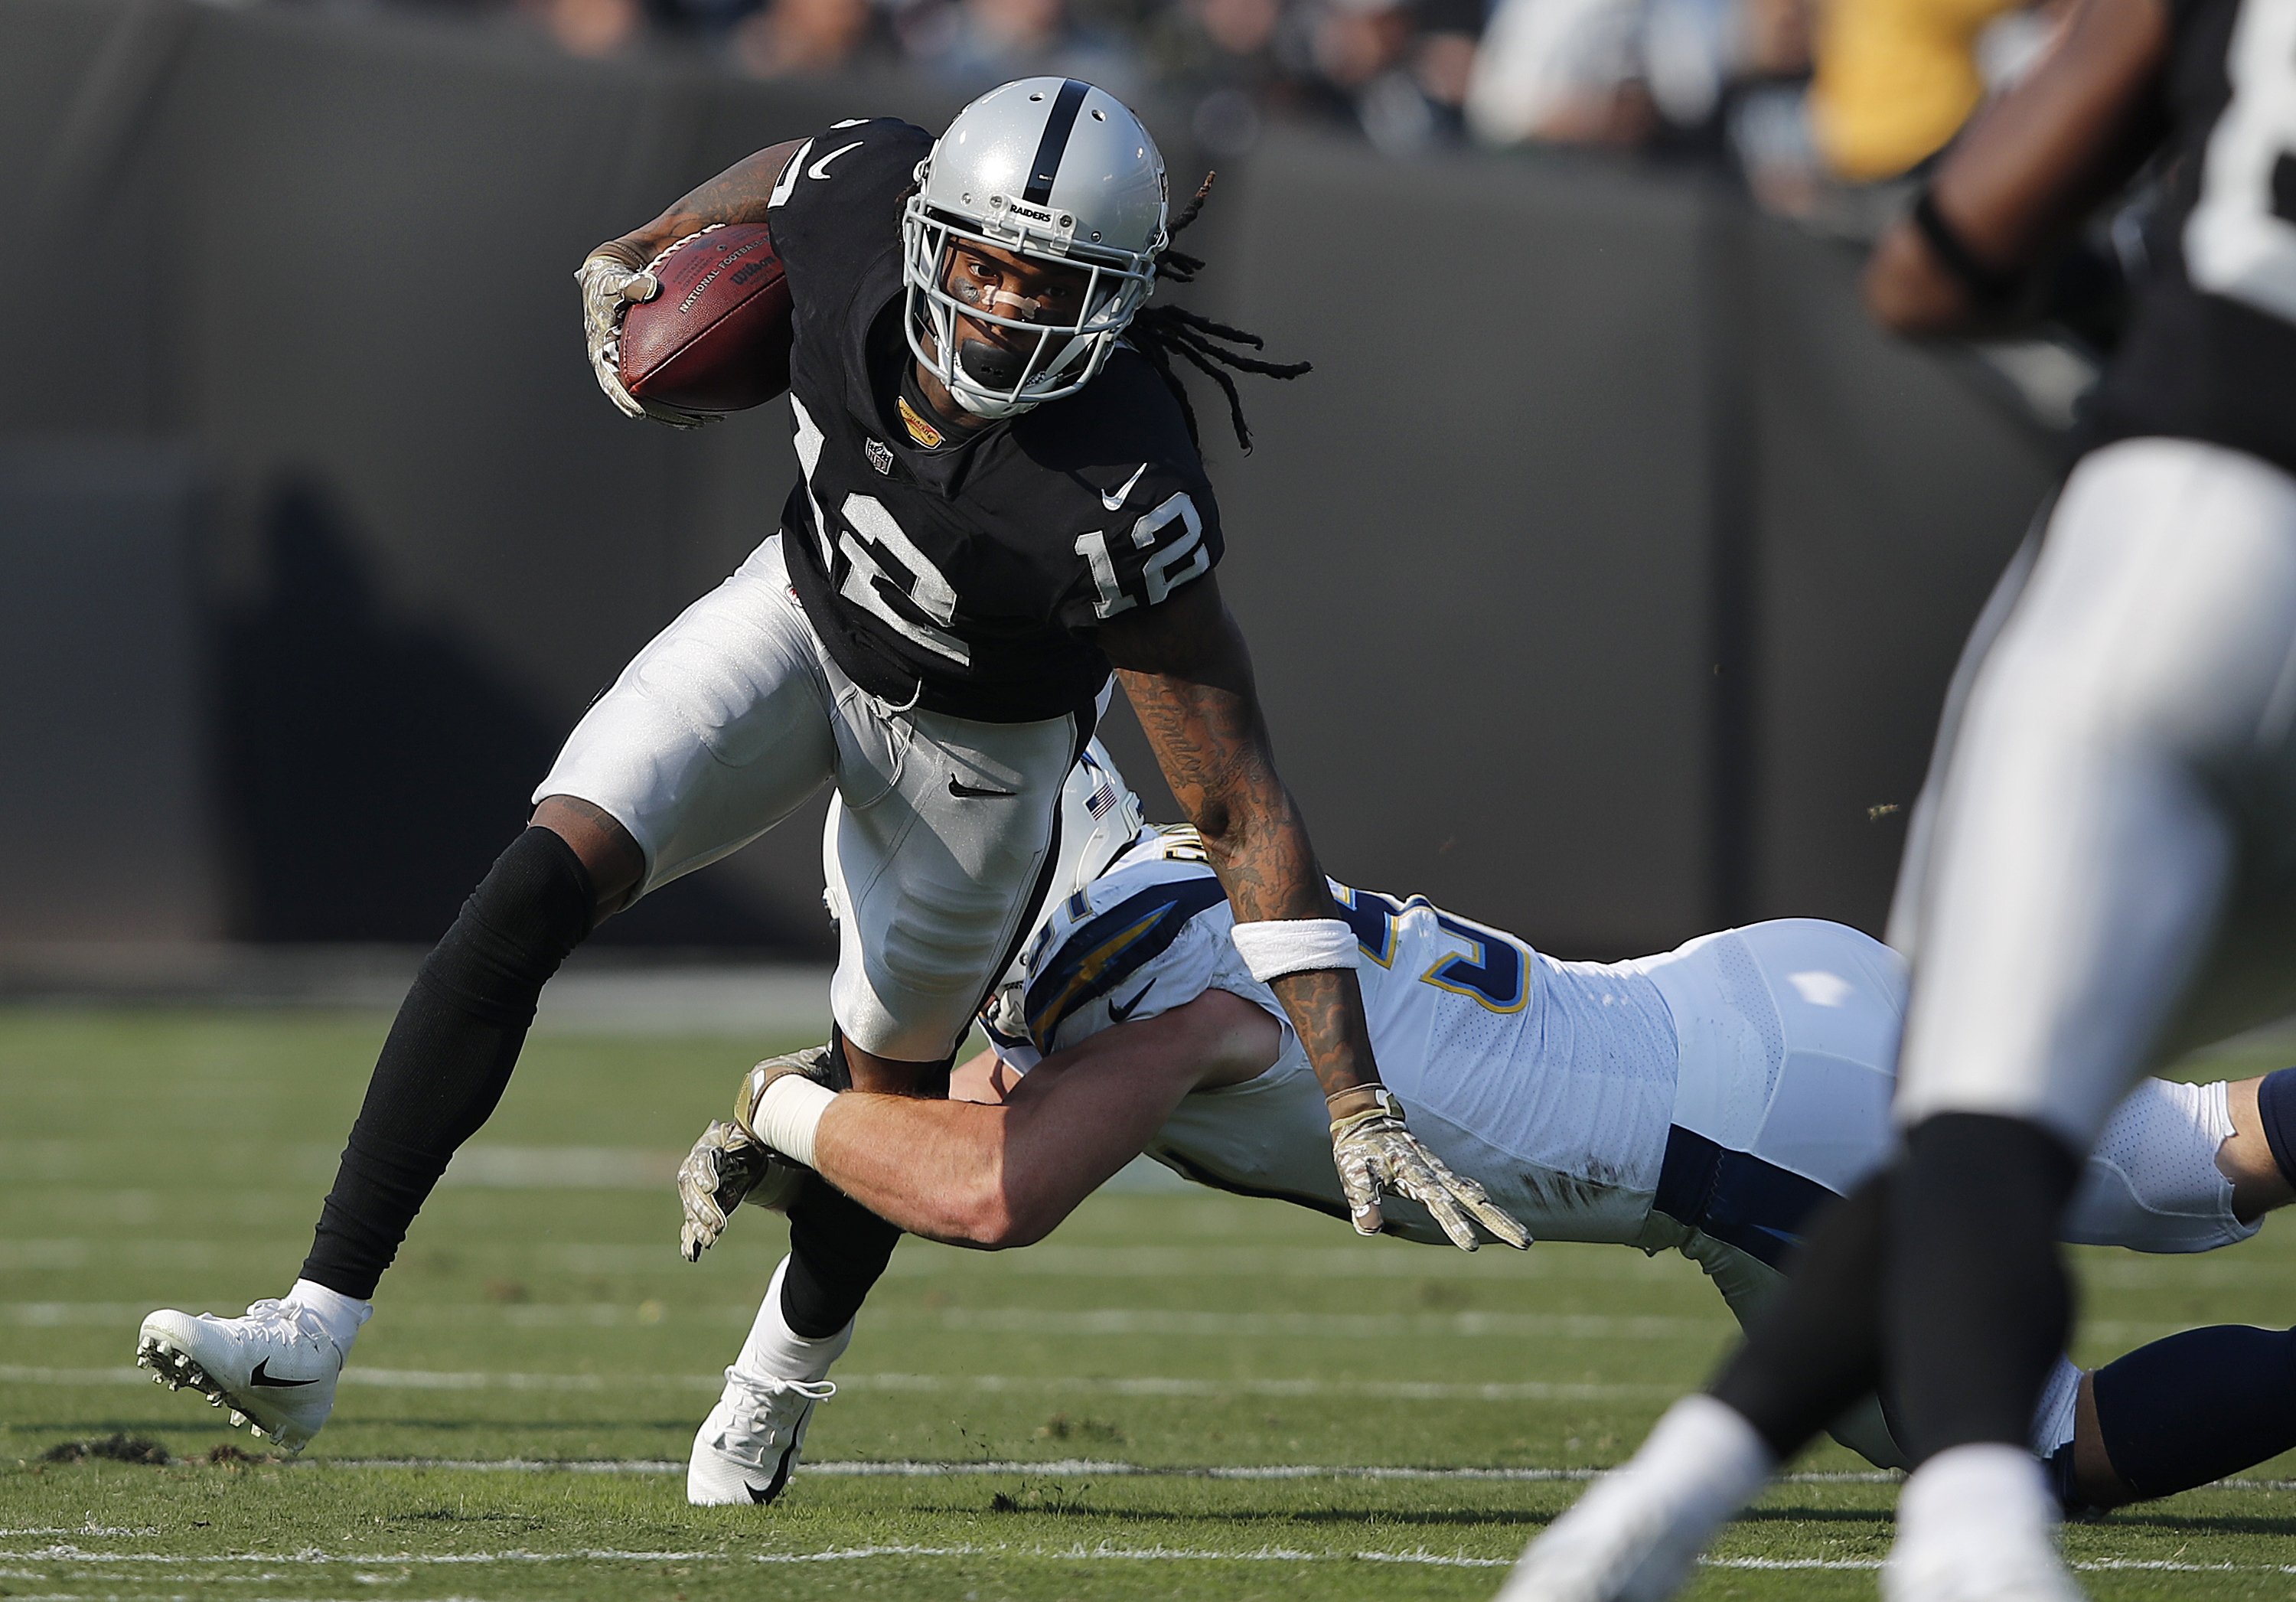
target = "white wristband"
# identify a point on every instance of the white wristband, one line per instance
(789, 1112)
(1275, 947)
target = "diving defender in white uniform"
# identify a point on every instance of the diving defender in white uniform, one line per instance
(1705, 1100)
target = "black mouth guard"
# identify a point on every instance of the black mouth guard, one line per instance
(991, 366)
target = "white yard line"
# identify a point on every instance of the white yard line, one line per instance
(426, 1379)
(1001, 1320)
(1101, 1553)
(1072, 1468)
(922, 1259)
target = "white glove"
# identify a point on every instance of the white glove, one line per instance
(1374, 1153)
(610, 288)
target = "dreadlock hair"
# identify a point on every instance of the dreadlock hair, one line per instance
(1161, 332)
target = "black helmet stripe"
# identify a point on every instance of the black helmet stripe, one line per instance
(1054, 144)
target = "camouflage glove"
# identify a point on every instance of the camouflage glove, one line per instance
(1375, 1153)
(730, 1166)
(610, 285)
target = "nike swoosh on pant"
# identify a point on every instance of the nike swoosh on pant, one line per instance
(967, 792)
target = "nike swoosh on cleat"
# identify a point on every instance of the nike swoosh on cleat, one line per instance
(261, 1377)
(758, 1495)
(967, 792)
(1115, 503)
(1118, 1014)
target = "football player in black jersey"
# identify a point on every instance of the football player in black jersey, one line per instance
(1001, 500)
(2102, 870)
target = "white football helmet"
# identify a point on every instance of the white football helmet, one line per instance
(1056, 171)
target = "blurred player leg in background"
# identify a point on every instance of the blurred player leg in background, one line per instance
(2126, 747)
(2126, 764)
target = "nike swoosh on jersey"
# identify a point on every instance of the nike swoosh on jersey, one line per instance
(1118, 1013)
(820, 170)
(261, 1376)
(967, 792)
(1115, 503)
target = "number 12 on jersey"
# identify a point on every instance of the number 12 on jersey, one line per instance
(1125, 578)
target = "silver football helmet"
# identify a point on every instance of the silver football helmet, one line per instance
(1055, 171)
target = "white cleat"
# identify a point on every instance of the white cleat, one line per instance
(746, 1450)
(276, 1369)
(1977, 1524)
(1637, 1533)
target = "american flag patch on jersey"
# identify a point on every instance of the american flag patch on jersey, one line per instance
(1102, 800)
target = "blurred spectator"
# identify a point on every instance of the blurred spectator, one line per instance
(978, 44)
(1632, 74)
(1814, 102)
(1563, 71)
(588, 28)
(801, 35)
(1895, 81)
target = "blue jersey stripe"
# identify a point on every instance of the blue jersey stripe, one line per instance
(1104, 951)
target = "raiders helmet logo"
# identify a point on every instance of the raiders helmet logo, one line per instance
(881, 455)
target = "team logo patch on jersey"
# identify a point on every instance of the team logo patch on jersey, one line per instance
(881, 455)
(921, 432)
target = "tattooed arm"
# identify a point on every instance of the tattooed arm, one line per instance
(1188, 673)
(1185, 667)
(736, 195)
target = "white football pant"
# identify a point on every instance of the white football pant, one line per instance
(2102, 866)
(736, 714)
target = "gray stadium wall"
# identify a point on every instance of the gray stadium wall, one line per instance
(1604, 578)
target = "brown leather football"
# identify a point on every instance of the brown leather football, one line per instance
(717, 338)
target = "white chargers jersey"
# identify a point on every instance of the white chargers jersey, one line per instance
(1552, 1083)
(1706, 1099)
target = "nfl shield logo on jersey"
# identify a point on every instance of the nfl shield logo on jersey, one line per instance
(881, 455)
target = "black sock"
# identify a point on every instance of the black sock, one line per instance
(838, 1249)
(1819, 1349)
(449, 1054)
(2198, 1406)
(1977, 1302)
(2276, 1110)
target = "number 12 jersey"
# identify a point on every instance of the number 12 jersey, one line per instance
(963, 573)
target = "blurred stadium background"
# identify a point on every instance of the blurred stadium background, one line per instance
(1604, 576)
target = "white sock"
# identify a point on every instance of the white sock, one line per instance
(1705, 1452)
(1967, 1491)
(774, 1351)
(338, 1314)
(1638, 1532)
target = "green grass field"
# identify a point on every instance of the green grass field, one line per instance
(1051, 1423)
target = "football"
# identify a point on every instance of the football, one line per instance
(717, 338)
